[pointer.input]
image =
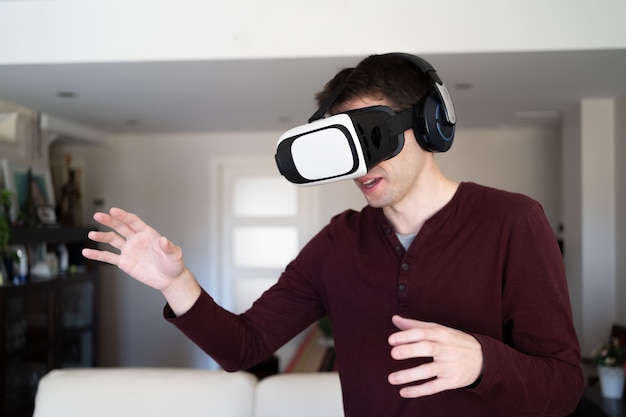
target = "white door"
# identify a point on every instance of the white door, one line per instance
(259, 221)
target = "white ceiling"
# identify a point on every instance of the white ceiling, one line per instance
(276, 94)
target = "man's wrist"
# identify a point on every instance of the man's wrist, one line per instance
(183, 293)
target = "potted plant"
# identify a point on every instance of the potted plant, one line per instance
(610, 358)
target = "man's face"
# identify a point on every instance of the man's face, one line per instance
(388, 183)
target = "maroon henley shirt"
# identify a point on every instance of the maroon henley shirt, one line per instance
(487, 263)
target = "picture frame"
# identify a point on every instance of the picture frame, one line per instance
(15, 178)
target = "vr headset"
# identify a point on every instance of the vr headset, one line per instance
(339, 147)
(347, 145)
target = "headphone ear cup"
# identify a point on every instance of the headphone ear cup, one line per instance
(432, 131)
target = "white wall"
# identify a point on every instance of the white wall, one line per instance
(520, 159)
(164, 178)
(593, 216)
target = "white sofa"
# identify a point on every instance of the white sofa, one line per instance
(167, 392)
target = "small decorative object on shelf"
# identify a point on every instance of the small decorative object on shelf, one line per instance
(70, 203)
(610, 358)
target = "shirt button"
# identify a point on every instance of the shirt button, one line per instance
(401, 287)
(398, 248)
(404, 266)
(388, 230)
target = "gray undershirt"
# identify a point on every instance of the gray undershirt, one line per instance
(406, 239)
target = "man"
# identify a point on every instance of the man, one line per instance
(445, 298)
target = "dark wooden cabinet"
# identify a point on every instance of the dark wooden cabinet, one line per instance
(46, 323)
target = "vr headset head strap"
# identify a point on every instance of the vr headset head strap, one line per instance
(397, 124)
(319, 114)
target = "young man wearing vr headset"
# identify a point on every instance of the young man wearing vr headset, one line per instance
(445, 298)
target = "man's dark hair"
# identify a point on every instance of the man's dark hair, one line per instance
(388, 77)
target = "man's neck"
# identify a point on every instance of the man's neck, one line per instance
(426, 199)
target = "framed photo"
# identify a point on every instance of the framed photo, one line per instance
(16, 180)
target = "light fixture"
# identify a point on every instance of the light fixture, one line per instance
(463, 86)
(66, 94)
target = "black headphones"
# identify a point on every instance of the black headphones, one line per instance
(432, 119)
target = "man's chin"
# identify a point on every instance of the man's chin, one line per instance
(374, 203)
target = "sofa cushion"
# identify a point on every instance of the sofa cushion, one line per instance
(299, 394)
(154, 392)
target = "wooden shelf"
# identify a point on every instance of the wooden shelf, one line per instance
(49, 234)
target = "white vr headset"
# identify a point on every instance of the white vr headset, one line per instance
(347, 145)
(342, 146)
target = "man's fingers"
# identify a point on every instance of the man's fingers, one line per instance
(427, 388)
(403, 323)
(412, 331)
(110, 238)
(130, 220)
(101, 256)
(422, 349)
(119, 220)
(418, 373)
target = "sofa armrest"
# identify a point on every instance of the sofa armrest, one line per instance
(299, 394)
(154, 392)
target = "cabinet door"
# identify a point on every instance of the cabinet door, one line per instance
(27, 326)
(77, 322)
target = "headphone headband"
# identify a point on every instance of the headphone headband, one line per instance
(439, 86)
